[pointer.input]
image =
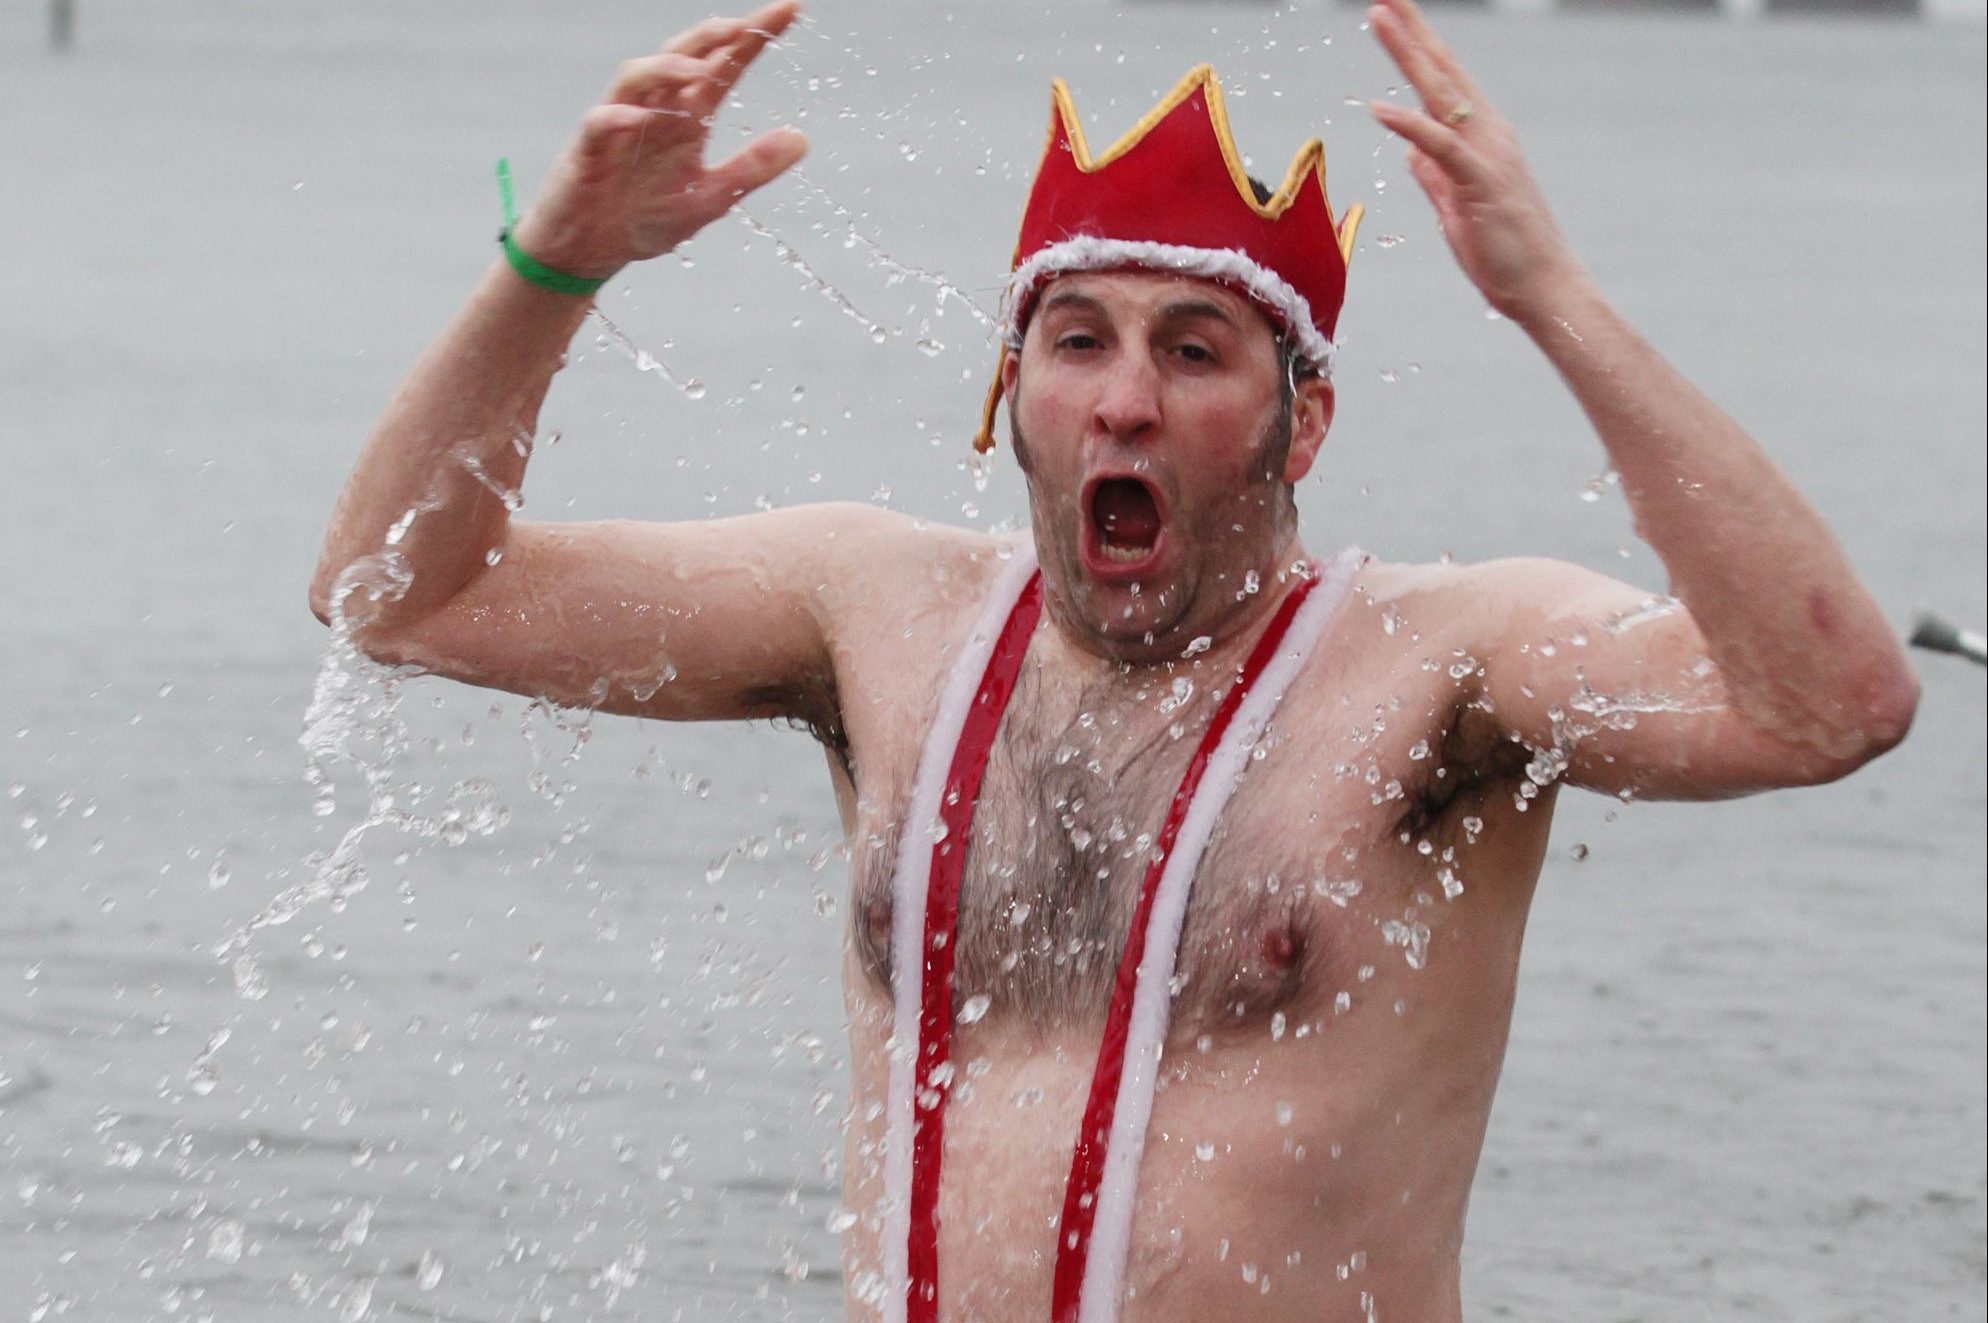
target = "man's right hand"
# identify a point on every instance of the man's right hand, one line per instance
(634, 183)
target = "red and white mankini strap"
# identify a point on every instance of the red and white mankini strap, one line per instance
(1096, 1226)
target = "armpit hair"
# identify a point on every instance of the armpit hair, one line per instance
(1474, 758)
(814, 705)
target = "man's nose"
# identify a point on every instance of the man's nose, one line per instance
(1128, 406)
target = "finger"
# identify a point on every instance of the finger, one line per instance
(1424, 35)
(728, 62)
(1431, 81)
(1441, 143)
(704, 38)
(759, 162)
(760, 27)
(659, 82)
(1433, 181)
(1439, 188)
(605, 124)
(714, 33)
(723, 48)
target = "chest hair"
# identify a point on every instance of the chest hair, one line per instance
(1076, 790)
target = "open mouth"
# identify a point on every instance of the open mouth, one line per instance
(1126, 519)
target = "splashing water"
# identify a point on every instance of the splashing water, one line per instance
(1652, 609)
(814, 279)
(943, 288)
(614, 337)
(1588, 713)
(354, 721)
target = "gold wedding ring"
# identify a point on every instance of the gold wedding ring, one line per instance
(1464, 110)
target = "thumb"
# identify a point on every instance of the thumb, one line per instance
(759, 162)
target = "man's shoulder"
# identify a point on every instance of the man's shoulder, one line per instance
(1506, 579)
(1467, 602)
(872, 548)
(891, 582)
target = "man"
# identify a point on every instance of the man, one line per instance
(1190, 872)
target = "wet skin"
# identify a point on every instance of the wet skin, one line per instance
(1323, 1099)
(1324, 1089)
(1346, 974)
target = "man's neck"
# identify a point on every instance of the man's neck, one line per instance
(1209, 645)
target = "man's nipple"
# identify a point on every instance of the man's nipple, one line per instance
(1282, 947)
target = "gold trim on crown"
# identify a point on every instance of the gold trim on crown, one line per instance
(1310, 159)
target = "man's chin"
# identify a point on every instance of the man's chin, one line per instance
(1132, 620)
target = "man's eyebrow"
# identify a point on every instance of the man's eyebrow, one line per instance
(1073, 299)
(1181, 310)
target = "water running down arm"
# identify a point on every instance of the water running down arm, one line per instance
(1781, 669)
(597, 613)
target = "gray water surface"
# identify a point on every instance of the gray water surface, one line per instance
(590, 1065)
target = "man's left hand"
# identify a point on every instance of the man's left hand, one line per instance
(1465, 156)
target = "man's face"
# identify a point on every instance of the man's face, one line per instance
(1159, 440)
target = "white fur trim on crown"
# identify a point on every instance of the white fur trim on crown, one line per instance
(1088, 252)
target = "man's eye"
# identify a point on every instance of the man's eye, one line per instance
(1195, 353)
(1077, 340)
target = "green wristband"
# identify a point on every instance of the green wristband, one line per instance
(522, 262)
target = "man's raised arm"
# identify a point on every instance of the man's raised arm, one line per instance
(423, 558)
(1781, 669)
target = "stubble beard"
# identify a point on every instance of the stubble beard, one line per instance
(1267, 513)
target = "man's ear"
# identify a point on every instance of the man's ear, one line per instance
(1311, 419)
(1011, 368)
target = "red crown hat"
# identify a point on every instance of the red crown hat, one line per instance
(1172, 195)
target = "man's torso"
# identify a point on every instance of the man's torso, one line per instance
(1345, 972)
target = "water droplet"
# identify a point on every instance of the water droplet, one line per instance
(358, 1302)
(974, 1008)
(218, 874)
(1411, 935)
(1205, 1150)
(1339, 891)
(224, 1242)
(357, 1228)
(428, 1275)
(693, 389)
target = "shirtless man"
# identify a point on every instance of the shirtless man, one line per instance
(1341, 998)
